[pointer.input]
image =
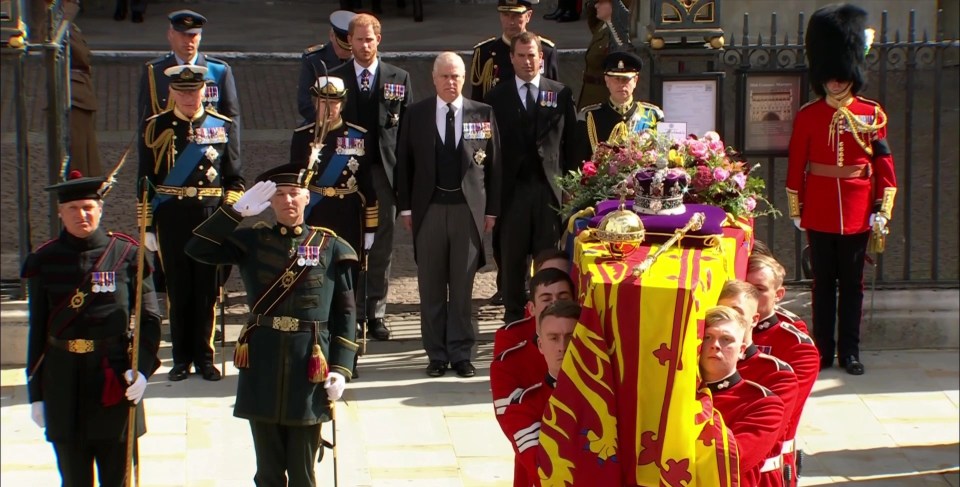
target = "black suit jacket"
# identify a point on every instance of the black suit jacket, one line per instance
(416, 163)
(556, 132)
(391, 111)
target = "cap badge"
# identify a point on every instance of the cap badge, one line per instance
(188, 21)
(620, 65)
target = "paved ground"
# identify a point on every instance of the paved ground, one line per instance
(895, 426)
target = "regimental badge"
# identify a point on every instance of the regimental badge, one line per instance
(477, 130)
(308, 255)
(394, 118)
(76, 301)
(350, 146)
(288, 279)
(211, 94)
(353, 164)
(211, 153)
(315, 148)
(548, 99)
(104, 282)
(210, 135)
(211, 174)
(394, 92)
(352, 182)
(479, 156)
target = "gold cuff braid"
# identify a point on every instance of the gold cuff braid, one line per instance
(149, 209)
(886, 204)
(793, 203)
(232, 196)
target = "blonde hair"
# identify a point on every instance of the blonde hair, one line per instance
(759, 262)
(734, 288)
(363, 20)
(723, 314)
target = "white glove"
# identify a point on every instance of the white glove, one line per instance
(368, 240)
(255, 199)
(36, 412)
(796, 223)
(150, 241)
(878, 223)
(136, 388)
(335, 384)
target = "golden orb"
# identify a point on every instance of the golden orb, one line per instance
(621, 231)
(15, 41)
(717, 42)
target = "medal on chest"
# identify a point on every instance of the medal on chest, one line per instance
(104, 282)
(308, 255)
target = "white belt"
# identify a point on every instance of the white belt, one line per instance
(789, 446)
(772, 464)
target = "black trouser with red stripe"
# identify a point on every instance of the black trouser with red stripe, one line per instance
(837, 266)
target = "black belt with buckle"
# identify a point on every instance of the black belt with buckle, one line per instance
(82, 345)
(287, 323)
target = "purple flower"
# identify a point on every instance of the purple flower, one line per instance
(750, 203)
(720, 174)
(740, 180)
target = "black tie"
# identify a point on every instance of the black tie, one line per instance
(531, 101)
(450, 135)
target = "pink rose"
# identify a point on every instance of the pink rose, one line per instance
(711, 136)
(703, 179)
(720, 174)
(589, 169)
(715, 146)
(696, 148)
(750, 203)
(740, 180)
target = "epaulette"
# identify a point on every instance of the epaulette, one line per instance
(517, 322)
(811, 102)
(123, 236)
(786, 315)
(151, 117)
(261, 224)
(211, 59)
(544, 40)
(305, 127)
(870, 102)
(781, 365)
(529, 389)
(484, 42)
(590, 108)
(324, 230)
(219, 115)
(504, 353)
(766, 392)
(158, 60)
(355, 127)
(312, 49)
(801, 336)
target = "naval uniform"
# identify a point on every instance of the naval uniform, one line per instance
(284, 405)
(342, 197)
(840, 171)
(312, 67)
(192, 164)
(491, 65)
(604, 122)
(77, 348)
(754, 415)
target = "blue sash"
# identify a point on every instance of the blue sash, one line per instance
(185, 164)
(328, 178)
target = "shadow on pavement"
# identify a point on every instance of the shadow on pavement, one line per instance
(901, 465)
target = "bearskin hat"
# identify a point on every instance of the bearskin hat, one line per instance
(836, 46)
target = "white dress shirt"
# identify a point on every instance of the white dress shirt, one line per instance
(358, 69)
(522, 90)
(191, 61)
(457, 118)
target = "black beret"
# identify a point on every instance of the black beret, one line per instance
(285, 175)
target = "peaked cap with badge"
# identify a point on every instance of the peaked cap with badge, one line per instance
(186, 77)
(340, 23)
(329, 87)
(518, 6)
(187, 21)
(622, 63)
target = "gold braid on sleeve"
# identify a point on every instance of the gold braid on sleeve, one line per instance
(592, 133)
(481, 77)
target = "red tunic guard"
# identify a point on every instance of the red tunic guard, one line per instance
(521, 421)
(754, 414)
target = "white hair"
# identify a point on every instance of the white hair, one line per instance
(449, 59)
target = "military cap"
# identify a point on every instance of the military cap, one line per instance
(518, 6)
(622, 63)
(836, 46)
(285, 175)
(329, 87)
(186, 77)
(187, 21)
(78, 187)
(340, 22)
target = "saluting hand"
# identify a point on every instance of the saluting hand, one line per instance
(255, 199)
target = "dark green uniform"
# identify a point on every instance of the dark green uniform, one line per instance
(75, 367)
(273, 391)
(604, 123)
